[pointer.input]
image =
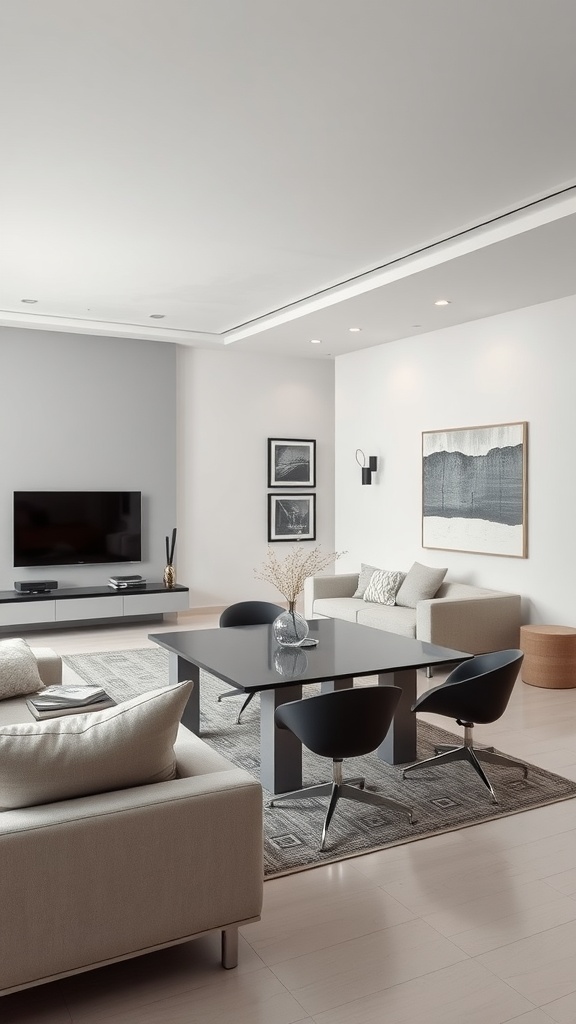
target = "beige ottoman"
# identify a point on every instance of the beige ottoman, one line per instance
(549, 656)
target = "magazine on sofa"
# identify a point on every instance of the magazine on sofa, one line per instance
(69, 700)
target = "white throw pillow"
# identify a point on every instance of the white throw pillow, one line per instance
(421, 584)
(18, 669)
(383, 586)
(131, 744)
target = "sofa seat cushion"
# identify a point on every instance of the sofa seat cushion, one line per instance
(130, 744)
(395, 620)
(339, 607)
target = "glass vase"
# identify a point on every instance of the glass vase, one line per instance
(290, 628)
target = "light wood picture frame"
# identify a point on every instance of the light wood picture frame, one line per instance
(474, 489)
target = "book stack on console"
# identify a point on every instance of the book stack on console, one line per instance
(69, 700)
(126, 582)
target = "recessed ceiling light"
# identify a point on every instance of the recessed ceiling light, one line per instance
(29, 300)
(157, 316)
(415, 326)
(442, 302)
(354, 330)
(315, 341)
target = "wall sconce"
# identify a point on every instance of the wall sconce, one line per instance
(367, 470)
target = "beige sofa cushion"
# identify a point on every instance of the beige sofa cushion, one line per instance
(421, 584)
(364, 578)
(18, 669)
(401, 621)
(130, 744)
(339, 607)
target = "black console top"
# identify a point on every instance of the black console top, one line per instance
(7, 596)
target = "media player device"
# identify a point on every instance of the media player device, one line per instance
(35, 586)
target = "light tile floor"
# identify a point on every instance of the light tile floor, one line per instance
(472, 927)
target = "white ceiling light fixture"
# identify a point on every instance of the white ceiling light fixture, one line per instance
(442, 302)
(315, 341)
(354, 330)
(157, 316)
(31, 301)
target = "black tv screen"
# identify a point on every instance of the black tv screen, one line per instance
(77, 527)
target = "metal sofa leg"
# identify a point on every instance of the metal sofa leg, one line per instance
(230, 947)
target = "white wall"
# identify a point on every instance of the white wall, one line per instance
(85, 413)
(517, 366)
(229, 404)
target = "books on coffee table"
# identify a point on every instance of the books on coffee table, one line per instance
(69, 700)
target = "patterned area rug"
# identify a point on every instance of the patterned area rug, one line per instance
(442, 799)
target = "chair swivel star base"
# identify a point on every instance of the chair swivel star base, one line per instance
(237, 693)
(341, 789)
(345, 723)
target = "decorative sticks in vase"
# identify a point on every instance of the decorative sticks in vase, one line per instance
(169, 571)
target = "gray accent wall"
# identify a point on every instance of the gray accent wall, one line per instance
(87, 413)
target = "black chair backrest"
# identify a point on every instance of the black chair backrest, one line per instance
(476, 691)
(346, 723)
(250, 613)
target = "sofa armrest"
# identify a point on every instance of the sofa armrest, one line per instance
(474, 625)
(100, 877)
(340, 585)
(49, 665)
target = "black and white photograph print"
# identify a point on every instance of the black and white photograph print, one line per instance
(291, 463)
(474, 489)
(291, 517)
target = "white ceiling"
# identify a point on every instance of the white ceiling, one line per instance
(216, 161)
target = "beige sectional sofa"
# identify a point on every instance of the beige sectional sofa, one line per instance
(88, 881)
(466, 618)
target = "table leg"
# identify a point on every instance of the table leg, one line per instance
(178, 670)
(399, 743)
(280, 750)
(329, 685)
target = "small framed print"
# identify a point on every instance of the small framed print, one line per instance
(291, 517)
(291, 463)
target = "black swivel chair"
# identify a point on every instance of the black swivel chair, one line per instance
(247, 613)
(476, 692)
(345, 723)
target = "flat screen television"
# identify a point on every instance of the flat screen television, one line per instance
(77, 527)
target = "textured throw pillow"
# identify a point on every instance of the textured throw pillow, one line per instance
(364, 579)
(131, 744)
(18, 669)
(421, 583)
(383, 586)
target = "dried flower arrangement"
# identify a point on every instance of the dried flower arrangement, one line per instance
(289, 574)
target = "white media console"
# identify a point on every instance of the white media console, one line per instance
(79, 604)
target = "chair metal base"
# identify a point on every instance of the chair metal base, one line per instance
(473, 755)
(237, 693)
(339, 789)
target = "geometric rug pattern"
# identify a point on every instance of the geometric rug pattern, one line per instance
(442, 798)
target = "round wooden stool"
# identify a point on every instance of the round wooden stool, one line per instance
(549, 656)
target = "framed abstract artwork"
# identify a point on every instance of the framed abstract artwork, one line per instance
(291, 463)
(474, 490)
(291, 517)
